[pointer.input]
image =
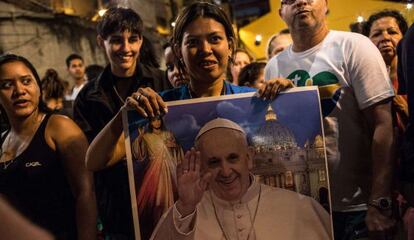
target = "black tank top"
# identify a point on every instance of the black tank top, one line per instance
(35, 184)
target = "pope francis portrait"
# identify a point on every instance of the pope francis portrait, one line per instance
(218, 197)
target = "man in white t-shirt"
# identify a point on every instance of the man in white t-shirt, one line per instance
(355, 95)
(76, 70)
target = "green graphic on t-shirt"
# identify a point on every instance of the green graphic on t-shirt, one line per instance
(328, 83)
(299, 78)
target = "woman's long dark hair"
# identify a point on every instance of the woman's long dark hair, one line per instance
(8, 58)
(52, 85)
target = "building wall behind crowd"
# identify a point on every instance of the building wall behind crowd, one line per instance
(46, 39)
(74, 7)
(47, 31)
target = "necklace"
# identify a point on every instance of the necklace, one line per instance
(21, 147)
(129, 81)
(226, 237)
(118, 95)
(18, 151)
(7, 164)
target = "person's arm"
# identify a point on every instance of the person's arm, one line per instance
(180, 220)
(82, 115)
(71, 144)
(15, 226)
(380, 123)
(108, 147)
(274, 84)
(174, 226)
(139, 147)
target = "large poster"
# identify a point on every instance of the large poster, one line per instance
(286, 135)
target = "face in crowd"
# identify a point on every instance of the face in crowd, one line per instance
(176, 78)
(122, 49)
(252, 75)
(260, 80)
(299, 14)
(120, 34)
(76, 69)
(229, 164)
(156, 123)
(386, 34)
(205, 49)
(203, 41)
(19, 89)
(241, 59)
(279, 43)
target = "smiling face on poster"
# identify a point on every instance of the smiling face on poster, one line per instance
(282, 141)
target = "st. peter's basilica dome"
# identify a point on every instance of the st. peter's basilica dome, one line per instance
(273, 135)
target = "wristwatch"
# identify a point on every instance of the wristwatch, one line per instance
(382, 203)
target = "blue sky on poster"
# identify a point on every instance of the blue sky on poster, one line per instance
(299, 111)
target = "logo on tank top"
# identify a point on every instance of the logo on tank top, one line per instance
(328, 83)
(33, 164)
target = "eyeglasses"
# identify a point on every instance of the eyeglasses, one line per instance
(290, 2)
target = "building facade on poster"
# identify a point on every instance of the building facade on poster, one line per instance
(280, 162)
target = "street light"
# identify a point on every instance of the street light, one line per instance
(102, 11)
(258, 40)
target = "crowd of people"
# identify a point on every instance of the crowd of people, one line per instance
(63, 171)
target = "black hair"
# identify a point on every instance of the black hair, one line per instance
(93, 71)
(402, 23)
(72, 57)
(147, 55)
(119, 19)
(8, 58)
(166, 45)
(249, 73)
(191, 13)
(52, 85)
(149, 127)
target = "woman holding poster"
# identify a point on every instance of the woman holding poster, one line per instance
(204, 43)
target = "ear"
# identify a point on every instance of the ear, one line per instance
(250, 156)
(232, 47)
(280, 12)
(100, 41)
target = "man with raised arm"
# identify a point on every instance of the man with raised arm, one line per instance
(220, 199)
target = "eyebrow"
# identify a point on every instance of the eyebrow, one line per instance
(121, 36)
(20, 77)
(25, 76)
(213, 161)
(209, 34)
